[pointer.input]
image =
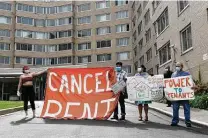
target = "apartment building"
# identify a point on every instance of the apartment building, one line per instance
(56, 33)
(164, 32)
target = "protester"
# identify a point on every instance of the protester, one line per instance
(142, 72)
(168, 73)
(26, 85)
(121, 74)
(176, 104)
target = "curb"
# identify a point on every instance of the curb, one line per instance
(195, 122)
(11, 110)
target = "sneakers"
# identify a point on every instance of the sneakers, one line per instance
(34, 115)
(122, 118)
(26, 114)
(188, 124)
(173, 124)
(114, 118)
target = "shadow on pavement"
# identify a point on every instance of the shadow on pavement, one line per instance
(21, 121)
(126, 124)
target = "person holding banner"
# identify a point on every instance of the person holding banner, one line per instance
(142, 72)
(121, 74)
(26, 84)
(168, 73)
(176, 104)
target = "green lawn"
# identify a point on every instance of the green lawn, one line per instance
(10, 104)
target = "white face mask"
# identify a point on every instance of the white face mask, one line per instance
(139, 69)
(178, 69)
(27, 71)
(166, 70)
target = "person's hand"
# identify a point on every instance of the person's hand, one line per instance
(18, 93)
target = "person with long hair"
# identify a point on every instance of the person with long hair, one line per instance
(142, 72)
(27, 90)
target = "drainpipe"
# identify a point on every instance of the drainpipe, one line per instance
(12, 36)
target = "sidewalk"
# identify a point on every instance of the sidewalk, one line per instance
(198, 116)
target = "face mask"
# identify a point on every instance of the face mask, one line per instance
(178, 69)
(166, 70)
(139, 69)
(27, 71)
(118, 69)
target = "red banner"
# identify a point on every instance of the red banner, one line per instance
(83, 93)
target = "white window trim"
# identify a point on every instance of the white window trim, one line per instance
(105, 5)
(122, 18)
(82, 49)
(84, 63)
(84, 36)
(83, 4)
(105, 60)
(105, 20)
(103, 47)
(180, 12)
(83, 23)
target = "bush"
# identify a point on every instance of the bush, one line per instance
(201, 96)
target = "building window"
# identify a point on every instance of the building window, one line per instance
(64, 21)
(52, 61)
(157, 69)
(182, 4)
(51, 22)
(84, 7)
(84, 20)
(65, 34)
(150, 71)
(147, 17)
(122, 28)
(24, 47)
(4, 33)
(186, 38)
(103, 57)
(52, 35)
(103, 30)
(84, 33)
(23, 60)
(62, 47)
(51, 10)
(165, 53)
(5, 20)
(84, 46)
(155, 47)
(127, 68)
(134, 36)
(121, 2)
(4, 46)
(52, 48)
(38, 61)
(135, 51)
(102, 4)
(122, 41)
(141, 60)
(4, 60)
(162, 22)
(103, 17)
(24, 7)
(64, 8)
(25, 20)
(104, 44)
(40, 10)
(122, 14)
(40, 22)
(139, 11)
(149, 54)
(64, 60)
(123, 56)
(141, 43)
(155, 4)
(84, 59)
(148, 35)
(5, 6)
(145, 3)
(134, 21)
(39, 48)
(140, 28)
(40, 35)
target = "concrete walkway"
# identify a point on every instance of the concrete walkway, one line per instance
(198, 116)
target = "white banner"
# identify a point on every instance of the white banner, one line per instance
(179, 88)
(141, 89)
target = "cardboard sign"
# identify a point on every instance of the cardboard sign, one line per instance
(138, 89)
(83, 93)
(179, 88)
(118, 86)
(156, 84)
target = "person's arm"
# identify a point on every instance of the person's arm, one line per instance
(20, 84)
(39, 73)
(125, 77)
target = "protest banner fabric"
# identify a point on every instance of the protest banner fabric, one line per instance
(83, 93)
(179, 88)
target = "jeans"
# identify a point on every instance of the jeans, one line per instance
(186, 106)
(28, 95)
(122, 104)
